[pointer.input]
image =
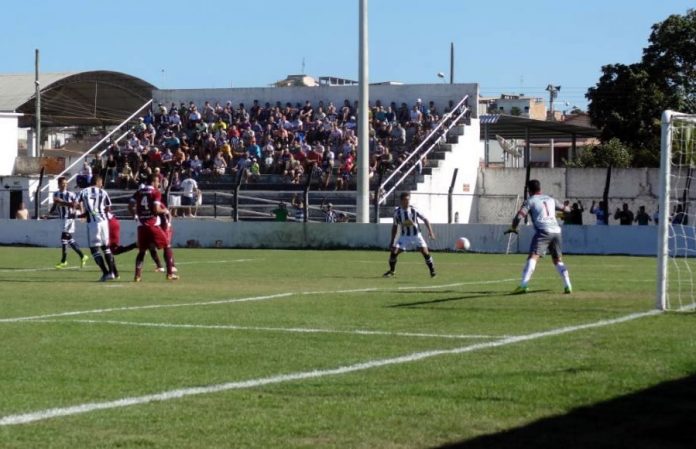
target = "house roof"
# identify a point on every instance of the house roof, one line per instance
(74, 98)
(513, 127)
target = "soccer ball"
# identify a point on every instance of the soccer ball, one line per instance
(462, 244)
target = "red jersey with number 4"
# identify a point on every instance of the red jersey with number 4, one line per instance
(146, 201)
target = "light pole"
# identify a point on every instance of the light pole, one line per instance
(363, 188)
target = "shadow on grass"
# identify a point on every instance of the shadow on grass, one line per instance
(472, 295)
(663, 416)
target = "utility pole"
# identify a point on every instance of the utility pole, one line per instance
(452, 63)
(363, 189)
(553, 94)
(37, 116)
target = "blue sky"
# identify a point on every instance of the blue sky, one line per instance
(507, 46)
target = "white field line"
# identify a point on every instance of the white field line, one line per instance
(301, 330)
(41, 415)
(231, 301)
(193, 262)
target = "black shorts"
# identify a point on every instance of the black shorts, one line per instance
(187, 201)
(543, 241)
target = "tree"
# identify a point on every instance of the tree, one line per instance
(515, 111)
(612, 153)
(628, 100)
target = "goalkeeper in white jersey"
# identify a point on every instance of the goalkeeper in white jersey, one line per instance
(407, 217)
(542, 210)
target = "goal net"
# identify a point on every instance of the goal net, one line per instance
(677, 214)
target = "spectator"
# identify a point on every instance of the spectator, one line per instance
(281, 212)
(576, 211)
(189, 194)
(84, 178)
(656, 215)
(642, 217)
(680, 217)
(600, 213)
(22, 212)
(329, 213)
(624, 215)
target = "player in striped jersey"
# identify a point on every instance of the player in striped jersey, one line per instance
(96, 204)
(63, 201)
(406, 217)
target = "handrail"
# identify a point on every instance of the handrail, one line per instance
(96, 145)
(452, 124)
(431, 134)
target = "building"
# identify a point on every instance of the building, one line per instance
(514, 104)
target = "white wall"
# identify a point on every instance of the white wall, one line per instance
(466, 155)
(441, 94)
(497, 188)
(485, 238)
(9, 138)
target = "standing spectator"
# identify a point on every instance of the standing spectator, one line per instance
(22, 212)
(680, 217)
(624, 215)
(576, 214)
(599, 212)
(642, 217)
(656, 215)
(329, 213)
(84, 179)
(189, 194)
(281, 212)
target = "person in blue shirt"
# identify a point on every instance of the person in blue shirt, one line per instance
(542, 211)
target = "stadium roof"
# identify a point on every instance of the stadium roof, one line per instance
(74, 98)
(514, 127)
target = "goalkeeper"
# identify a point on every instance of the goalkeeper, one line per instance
(542, 210)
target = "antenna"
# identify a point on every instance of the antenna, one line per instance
(303, 66)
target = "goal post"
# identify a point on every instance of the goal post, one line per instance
(676, 241)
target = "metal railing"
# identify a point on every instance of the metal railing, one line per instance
(432, 133)
(449, 121)
(95, 146)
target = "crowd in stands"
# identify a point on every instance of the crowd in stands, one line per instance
(289, 141)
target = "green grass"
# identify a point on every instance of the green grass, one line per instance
(63, 361)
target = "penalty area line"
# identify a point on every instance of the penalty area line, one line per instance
(299, 330)
(235, 300)
(41, 415)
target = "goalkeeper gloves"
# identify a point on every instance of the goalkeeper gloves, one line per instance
(511, 230)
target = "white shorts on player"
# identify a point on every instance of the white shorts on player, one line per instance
(98, 233)
(410, 243)
(69, 225)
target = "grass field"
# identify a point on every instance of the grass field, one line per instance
(293, 349)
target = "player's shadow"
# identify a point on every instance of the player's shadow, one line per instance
(663, 416)
(470, 295)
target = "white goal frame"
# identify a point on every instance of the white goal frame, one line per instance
(664, 204)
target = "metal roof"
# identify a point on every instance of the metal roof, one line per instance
(74, 98)
(514, 127)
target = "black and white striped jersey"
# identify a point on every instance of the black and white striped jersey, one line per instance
(95, 203)
(408, 220)
(65, 211)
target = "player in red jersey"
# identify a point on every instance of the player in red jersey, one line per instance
(147, 205)
(116, 248)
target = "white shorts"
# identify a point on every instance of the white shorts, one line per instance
(410, 242)
(69, 225)
(98, 233)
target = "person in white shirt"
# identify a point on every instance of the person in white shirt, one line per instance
(189, 194)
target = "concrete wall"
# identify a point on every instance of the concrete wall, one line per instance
(497, 189)
(441, 94)
(467, 156)
(210, 233)
(9, 139)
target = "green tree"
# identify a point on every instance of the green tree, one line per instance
(515, 111)
(628, 100)
(612, 153)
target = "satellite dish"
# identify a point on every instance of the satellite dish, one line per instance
(440, 75)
